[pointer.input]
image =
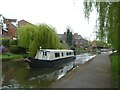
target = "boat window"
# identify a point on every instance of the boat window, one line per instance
(67, 53)
(57, 54)
(62, 53)
(44, 53)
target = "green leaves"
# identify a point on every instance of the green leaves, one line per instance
(32, 37)
(69, 37)
(25, 35)
(108, 21)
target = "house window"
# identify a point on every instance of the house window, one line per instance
(57, 54)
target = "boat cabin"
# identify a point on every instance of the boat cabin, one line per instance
(50, 54)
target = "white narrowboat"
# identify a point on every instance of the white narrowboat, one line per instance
(46, 58)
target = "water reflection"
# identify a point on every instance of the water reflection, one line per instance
(19, 75)
(81, 59)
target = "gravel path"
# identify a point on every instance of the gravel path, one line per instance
(95, 73)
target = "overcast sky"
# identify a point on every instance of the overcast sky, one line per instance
(58, 13)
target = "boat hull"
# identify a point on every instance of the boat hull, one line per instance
(36, 63)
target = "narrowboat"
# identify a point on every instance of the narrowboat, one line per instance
(46, 58)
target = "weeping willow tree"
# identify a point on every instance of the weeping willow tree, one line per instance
(108, 21)
(34, 37)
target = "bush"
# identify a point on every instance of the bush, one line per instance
(13, 42)
(63, 46)
(22, 50)
(14, 49)
(5, 42)
(115, 57)
(0, 42)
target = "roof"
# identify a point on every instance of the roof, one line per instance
(25, 22)
(57, 50)
(12, 20)
(76, 36)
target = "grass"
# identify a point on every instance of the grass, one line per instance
(10, 56)
(115, 74)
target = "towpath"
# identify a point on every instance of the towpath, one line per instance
(95, 73)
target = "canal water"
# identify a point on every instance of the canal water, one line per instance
(18, 74)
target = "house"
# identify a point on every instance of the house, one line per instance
(8, 27)
(78, 40)
(62, 37)
(23, 23)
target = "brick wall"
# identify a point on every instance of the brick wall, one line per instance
(12, 30)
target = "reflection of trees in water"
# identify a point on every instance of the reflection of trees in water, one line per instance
(14, 73)
(17, 75)
(8, 75)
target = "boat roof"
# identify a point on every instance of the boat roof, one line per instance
(57, 50)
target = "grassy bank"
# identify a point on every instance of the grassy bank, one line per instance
(10, 56)
(115, 58)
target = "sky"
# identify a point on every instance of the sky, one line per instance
(58, 13)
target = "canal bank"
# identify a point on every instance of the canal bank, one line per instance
(95, 73)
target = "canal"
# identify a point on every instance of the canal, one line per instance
(17, 74)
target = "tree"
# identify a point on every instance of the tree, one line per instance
(69, 37)
(34, 37)
(108, 22)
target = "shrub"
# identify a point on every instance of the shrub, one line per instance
(5, 42)
(17, 50)
(63, 46)
(13, 42)
(0, 42)
(22, 50)
(14, 49)
(2, 48)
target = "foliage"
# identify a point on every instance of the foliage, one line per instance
(10, 56)
(5, 42)
(64, 46)
(25, 35)
(114, 59)
(69, 37)
(14, 49)
(100, 43)
(108, 22)
(13, 42)
(108, 25)
(82, 50)
(34, 37)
